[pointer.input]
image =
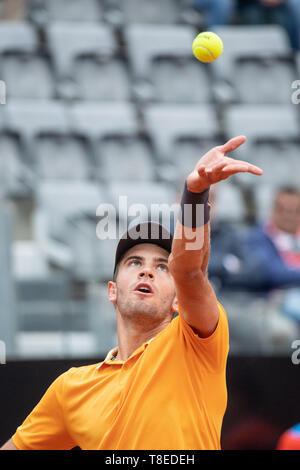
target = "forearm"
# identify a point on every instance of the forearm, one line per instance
(190, 250)
(191, 244)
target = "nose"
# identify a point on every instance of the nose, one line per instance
(145, 273)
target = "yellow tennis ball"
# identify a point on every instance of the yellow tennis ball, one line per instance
(207, 46)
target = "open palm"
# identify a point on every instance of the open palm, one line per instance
(215, 166)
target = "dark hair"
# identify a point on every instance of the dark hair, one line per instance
(288, 189)
(117, 267)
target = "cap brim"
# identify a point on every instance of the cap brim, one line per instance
(145, 232)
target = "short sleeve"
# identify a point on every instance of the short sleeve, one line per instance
(44, 428)
(213, 350)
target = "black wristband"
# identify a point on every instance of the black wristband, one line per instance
(195, 208)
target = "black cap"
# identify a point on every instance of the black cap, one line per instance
(144, 232)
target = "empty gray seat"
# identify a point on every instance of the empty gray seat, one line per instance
(229, 204)
(62, 156)
(272, 144)
(125, 158)
(27, 75)
(180, 80)
(273, 86)
(13, 176)
(17, 36)
(43, 303)
(251, 51)
(101, 78)
(143, 11)
(251, 41)
(121, 153)
(145, 42)
(85, 59)
(261, 121)
(60, 201)
(166, 124)
(163, 65)
(93, 257)
(144, 201)
(101, 119)
(42, 295)
(73, 10)
(23, 62)
(30, 117)
(186, 152)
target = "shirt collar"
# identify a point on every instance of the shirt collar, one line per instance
(113, 352)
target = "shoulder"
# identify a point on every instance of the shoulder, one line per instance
(79, 374)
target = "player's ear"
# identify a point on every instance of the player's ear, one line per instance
(112, 291)
(175, 305)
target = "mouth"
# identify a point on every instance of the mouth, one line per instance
(144, 289)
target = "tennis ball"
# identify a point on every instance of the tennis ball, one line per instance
(207, 46)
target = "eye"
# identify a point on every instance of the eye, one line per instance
(134, 262)
(163, 267)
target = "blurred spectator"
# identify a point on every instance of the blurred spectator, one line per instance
(276, 243)
(13, 10)
(290, 439)
(218, 12)
(283, 12)
(230, 265)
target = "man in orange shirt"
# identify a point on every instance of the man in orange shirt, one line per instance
(164, 386)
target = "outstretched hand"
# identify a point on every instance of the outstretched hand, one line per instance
(214, 166)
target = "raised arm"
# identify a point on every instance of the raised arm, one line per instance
(191, 245)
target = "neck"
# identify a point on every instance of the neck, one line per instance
(131, 335)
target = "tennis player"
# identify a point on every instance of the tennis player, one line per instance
(164, 386)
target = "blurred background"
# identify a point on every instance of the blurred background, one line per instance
(102, 98)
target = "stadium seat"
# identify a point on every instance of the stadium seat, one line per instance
(120, 151)
(41, 294)
(272, 143)
(229, 204)
(86, 63)
(261, 121)
(14, 178)
(186, 151)
(93, 257)
(244, 59)
(17, 36)
(143, 11)
(61, 210)
(273, 86)
(162, 64)
(102, 317)
(167, 124)
(144, 201)
(125, 158)
(27, 75)
(100, 119)
(24, 63)
(44, 127)
(30, 117)
(44, 11)
(63, 156)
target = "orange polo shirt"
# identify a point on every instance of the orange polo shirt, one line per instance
(169, 394)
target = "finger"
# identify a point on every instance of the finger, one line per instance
(233, 144)
(201, 170)
(241, 167)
